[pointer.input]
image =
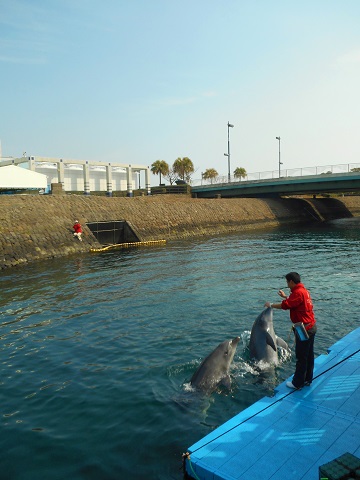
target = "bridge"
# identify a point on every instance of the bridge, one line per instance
(300, 181)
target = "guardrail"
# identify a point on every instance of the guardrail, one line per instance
(293, 172)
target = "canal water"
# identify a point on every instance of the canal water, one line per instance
(97, 351)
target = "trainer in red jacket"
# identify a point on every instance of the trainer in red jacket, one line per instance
(77, 230)
(301, 310)
(300, 305)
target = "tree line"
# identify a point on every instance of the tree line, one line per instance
(183, 168)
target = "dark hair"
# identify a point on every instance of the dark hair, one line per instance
(295, 277)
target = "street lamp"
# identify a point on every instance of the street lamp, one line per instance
(280, 163)
(228, 154)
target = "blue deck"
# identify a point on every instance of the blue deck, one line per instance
(291, 434)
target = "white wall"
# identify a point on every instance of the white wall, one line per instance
(74, 177)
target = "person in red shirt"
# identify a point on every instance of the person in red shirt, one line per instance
(301, 311)
(77, 230)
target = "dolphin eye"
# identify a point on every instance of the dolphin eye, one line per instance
(226, 353)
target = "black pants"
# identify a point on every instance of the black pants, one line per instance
(304, 351)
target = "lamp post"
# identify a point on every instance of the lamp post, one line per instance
(228, 154)
(280, 163)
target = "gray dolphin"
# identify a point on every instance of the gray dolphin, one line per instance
(263, 341)
(214, 369)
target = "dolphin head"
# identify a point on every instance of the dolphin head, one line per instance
(230, 348)
(265, 319)
(215, 367)
(263, 343)
(224, 353)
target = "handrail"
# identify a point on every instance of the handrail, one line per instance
(293, 172)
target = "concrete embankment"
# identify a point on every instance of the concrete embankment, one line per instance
(34, 227)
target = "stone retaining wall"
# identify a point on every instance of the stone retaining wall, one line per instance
(34, 227)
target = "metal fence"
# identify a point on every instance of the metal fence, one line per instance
(293, 172)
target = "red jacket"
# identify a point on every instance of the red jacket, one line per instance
(300, 305)
(77, 228)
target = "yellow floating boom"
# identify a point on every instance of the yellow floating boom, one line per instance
(128, 245)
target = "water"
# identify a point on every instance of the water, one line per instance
(97, 351)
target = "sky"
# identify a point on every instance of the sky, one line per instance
(135, 81)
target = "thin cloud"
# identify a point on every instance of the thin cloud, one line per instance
(351, 57)
(209, 94)
(29, 32)
(20, 51)
(21, 60)
(170, 102)
(178, 101)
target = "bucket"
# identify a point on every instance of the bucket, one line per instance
(300, 331)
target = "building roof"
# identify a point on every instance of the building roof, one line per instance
(12, 177)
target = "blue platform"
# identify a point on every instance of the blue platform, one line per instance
(290, 435)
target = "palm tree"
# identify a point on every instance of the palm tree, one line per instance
(183, 167)
(160, 167)
(240, 172)
(210, 173)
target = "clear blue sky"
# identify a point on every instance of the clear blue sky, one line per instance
(134, 81)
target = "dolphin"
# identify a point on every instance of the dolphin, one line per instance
(214, 369)
(263, 341)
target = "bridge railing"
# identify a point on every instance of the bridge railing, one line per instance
(273, 174)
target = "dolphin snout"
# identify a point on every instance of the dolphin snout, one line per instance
(235, 341)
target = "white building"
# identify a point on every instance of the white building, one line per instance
(86, 176)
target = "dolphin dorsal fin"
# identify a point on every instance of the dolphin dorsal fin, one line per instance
(270, 341)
